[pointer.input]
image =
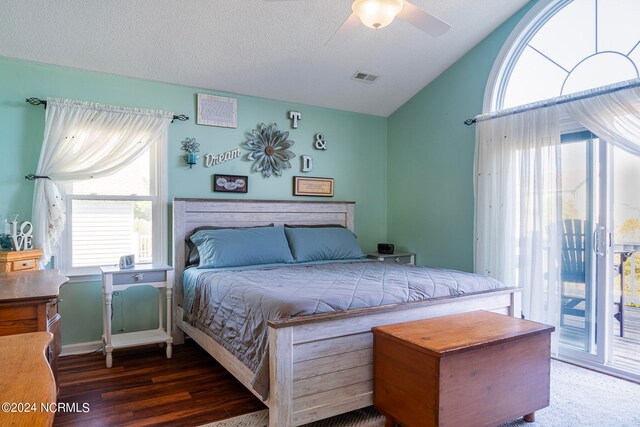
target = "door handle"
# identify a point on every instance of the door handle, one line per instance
(599, 245)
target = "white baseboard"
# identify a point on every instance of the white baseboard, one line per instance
(80, 348)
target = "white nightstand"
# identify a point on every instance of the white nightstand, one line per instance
(114, 279)
(397, 257)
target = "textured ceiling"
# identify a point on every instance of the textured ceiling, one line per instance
(252, 47)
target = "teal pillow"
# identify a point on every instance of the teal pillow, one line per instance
(193, 258)
(240, 247)
(317, 244)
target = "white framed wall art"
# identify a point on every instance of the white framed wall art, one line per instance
(217, 111)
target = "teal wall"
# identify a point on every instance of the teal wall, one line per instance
(410, 174)
(430, 159)
(356, 158)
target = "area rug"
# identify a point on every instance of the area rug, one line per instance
(579, 398)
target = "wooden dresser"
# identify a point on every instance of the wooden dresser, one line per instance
(27, 386)
(476, 369)
(19, 260)
(29, 303)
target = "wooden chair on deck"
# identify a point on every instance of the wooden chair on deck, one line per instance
(619, 269)
(573, 271)
(573, 268)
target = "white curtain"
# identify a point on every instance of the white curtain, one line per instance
(85, 140)
(518, 212)
(614, 117)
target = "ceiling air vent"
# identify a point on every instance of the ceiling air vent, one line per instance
(364, 77)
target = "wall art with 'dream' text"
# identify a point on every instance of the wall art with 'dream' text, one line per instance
(216, 159)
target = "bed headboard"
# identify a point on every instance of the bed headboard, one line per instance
(191, 213)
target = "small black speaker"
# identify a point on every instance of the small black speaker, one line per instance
(385, 248)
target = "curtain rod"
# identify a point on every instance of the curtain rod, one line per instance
(616, 87)
(38, 101)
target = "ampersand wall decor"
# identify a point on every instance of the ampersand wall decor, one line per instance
(320, 143)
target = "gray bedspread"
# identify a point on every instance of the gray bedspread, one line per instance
(233, 307)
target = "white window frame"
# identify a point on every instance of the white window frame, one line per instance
(158, 197)
(535, 18)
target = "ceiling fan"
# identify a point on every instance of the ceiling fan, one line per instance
(380, 13)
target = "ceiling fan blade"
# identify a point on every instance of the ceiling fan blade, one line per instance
(345, 30)
(422, 20)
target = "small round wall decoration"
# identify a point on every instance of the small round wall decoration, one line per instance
(269, 148)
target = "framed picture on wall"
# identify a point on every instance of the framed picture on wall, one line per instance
(217, 111)
(319, 187)
(230, 183)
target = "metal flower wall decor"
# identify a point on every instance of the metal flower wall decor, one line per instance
(191, 147)
(269, 148)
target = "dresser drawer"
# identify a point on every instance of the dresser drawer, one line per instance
(18, 311)
(146, 277)
(18, 318)
(19, 260)
(25, 264)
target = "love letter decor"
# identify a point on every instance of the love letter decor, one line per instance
(21, 240)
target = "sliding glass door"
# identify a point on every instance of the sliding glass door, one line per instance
(600, 291)
(586, 240)
(624, 351)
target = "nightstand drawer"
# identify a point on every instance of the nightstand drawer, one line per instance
(396, 258)
(26, 264)
(400, 259)
(139, 277)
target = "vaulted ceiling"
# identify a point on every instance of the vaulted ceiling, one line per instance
(272, 49)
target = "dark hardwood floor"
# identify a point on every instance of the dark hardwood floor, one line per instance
(145, 388)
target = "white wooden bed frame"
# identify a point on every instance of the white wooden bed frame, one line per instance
(319, 366)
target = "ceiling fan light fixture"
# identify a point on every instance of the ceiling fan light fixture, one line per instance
(377, 13)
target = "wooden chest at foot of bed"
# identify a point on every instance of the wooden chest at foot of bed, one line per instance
(471, 369)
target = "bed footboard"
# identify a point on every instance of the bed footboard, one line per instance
(323, 366)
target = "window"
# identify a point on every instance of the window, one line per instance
(563, 47)
(113, 216)
(567, 46)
